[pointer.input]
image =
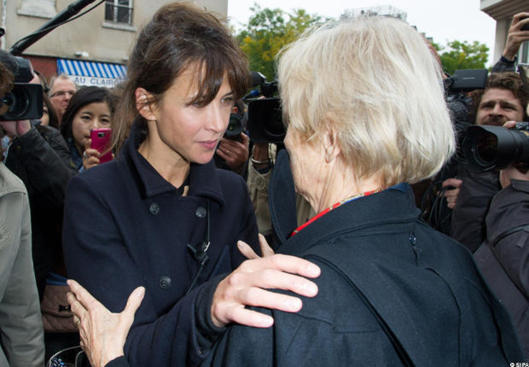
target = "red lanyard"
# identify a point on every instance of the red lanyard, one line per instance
(334, 206)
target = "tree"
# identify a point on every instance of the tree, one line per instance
(463, 55)
(269, 30)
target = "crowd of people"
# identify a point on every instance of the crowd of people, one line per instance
(193, 248)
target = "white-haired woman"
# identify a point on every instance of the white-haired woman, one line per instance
(366, 116)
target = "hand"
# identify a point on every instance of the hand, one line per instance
(246, 286)
(103, 333)
(451, 194)
(516, 36)
(15, 128)
(90, 158)
(234, 153)
(509, 124)
(249, 253)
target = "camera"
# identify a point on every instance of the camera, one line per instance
(495, 147)
(235, 127)
(265, 117)
(24, 101)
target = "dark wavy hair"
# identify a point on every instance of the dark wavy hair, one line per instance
(507, 80)
(180, 35)
(81, 98)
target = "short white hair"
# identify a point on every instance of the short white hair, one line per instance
(375, 82)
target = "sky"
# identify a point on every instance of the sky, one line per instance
(443, 20)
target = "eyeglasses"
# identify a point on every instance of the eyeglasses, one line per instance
(62, 93)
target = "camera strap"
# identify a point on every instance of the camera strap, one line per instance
(200, 251)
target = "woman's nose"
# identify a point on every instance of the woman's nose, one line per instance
(96, 124)
(218, 121)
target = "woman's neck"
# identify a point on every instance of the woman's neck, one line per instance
(339, 185)
(168, 163)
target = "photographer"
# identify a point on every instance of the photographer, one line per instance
(503, 256)
(233, 150)
(504, 99)
(40, 157)
(21, 335)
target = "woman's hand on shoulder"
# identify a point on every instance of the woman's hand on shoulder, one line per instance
(249, 285)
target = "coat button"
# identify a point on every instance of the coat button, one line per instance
(154, 208)
(201, 212)
(412, 239)
(165, 282)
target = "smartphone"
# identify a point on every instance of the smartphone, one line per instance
(101, 142)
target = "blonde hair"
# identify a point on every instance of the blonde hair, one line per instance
(374, 81)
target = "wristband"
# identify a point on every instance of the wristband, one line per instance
(506, 60)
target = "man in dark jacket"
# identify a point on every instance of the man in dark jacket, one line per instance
(503, 257)
(504, 99)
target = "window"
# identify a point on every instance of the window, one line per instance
(524, 53)
(119, 11)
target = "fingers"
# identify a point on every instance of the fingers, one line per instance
(245, 139)
(519, 16)
(246, 250)
(286, 263)
(134, 301)
(455, 182)
(509, 124)
(84, 298)
(246, 286)
(266, 250)
(251, 318)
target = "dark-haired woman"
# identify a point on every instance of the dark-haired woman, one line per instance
(161, 215)
(90, 108)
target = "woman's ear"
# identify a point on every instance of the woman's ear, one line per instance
(331, 145)
(145, 104)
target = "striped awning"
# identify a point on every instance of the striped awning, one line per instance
(92, 72)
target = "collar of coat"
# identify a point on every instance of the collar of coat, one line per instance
(203, 179)
(394, 205)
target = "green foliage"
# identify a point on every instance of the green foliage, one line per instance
(463, 55)
(269, 30)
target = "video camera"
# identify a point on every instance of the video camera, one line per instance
(265, 120)
(24, 101)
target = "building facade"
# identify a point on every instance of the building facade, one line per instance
(502, 11)
(94, 48)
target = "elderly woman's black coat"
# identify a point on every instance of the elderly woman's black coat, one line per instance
(389, 282)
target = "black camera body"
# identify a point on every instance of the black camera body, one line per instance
(496, 147)
(235, 127)
(265, 117)
(24, 101)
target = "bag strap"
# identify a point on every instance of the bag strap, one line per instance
(403, 355)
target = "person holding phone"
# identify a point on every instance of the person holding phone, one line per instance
(517, 35)
(90, 108)
(161, 215)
